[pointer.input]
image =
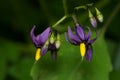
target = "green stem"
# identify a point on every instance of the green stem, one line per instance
(80, 7)
(65, 7)
(74, 18)
(84, 7)
(59, 21)
(64, 17)
(91, 4)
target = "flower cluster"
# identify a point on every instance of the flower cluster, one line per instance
(46, 41)
(92, 18)
(81, 38)
(49, 39)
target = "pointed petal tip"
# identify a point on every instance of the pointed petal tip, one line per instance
(66, 37)
(88, 35)
(89, 53)
(44, 51)
(32, 30)
(72, 37)
(91, 41)
(48, 28)
(32, 36)
(43, 37)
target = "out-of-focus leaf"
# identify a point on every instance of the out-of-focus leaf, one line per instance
(11, 63)
(10, 50)
(68, 66)
(22, 69)
(2, 67)
(116, 58)
(115, 75)
(112, 45)
(8, 55)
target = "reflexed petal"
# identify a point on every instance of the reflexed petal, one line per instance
(93, 40)
(43, 36)
(44, 51)
(89, 53)
(33, 37)
(80, 32)
(69, 40)
(72, 36)
(87, 36)
(54, 55)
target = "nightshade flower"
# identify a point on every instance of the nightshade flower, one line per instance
(54, 45)
(40, 41)
(81, 39)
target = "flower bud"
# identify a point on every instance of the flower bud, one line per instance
(92, 19)
(46, 44)
(58, 43)
(99, 15)
(52, 39)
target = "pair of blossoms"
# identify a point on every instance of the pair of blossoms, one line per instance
(49, 40)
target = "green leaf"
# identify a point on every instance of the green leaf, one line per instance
(68, 66)
(22, 69)
(8, 53)
(115, 75)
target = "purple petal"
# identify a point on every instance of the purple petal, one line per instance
(47, 31)
(87, 36)
(80, 32)
(89, 53)
(54, 55)
(69, 40)
(93, 40)
(43, 51)
(72, 36)
(52, 46)
(33, 37)
(42, 38)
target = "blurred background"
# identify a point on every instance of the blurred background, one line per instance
(17, 17)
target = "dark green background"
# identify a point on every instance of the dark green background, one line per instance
(17, 51)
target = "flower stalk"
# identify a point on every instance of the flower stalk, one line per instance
(59, 21)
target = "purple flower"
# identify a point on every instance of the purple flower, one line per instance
(40, 41)
(81, 39)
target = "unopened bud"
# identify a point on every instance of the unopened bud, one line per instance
(92, 19)
(58, 43)
(99, 15)
(46, 44)
(52, 39)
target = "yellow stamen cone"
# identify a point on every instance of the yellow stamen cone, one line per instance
(82, 49)
(37, 56)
